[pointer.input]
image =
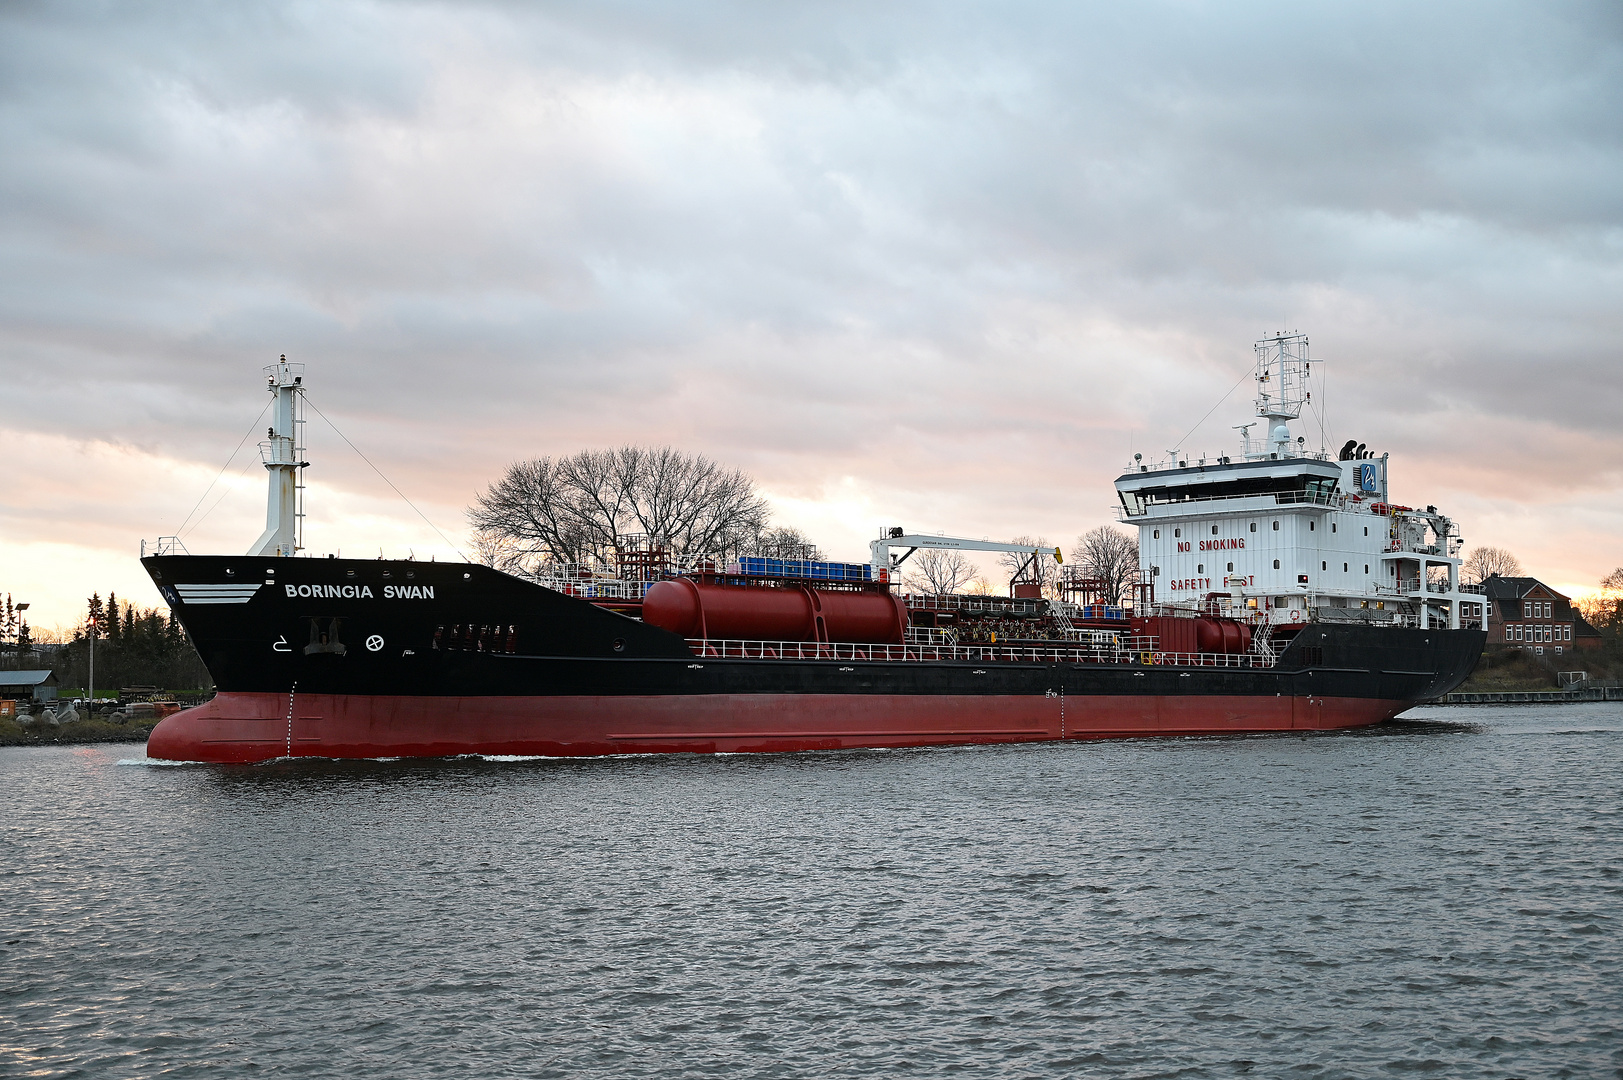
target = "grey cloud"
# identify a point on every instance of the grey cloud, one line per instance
(825, 234)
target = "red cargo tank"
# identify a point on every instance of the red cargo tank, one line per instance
(1222, 635)
(684, 606)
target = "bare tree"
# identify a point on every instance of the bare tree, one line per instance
(1484, 562)
(1026, 567)
(939, 572)
(1111, 556)
(572, 510)
(783, 542)
(1605, 608)
(498, 551)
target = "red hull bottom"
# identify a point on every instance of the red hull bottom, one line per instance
(247, 727)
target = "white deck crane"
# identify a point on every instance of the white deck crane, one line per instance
(882, 560)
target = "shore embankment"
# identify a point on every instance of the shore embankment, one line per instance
(1531, 697)
(71, 731)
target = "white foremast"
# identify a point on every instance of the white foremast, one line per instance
(283, 458)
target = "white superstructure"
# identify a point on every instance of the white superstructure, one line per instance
(1289, 533)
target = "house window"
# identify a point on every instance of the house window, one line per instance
(1566, 632)
(1276, 564)
(1490, 609)
(1527, 609)
(1510, 633)
(1547, 606)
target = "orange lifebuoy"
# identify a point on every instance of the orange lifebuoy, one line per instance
(1160, 658)
(1296, 615)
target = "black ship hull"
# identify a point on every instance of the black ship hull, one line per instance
(350, 658)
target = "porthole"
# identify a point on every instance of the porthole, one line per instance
(1276, 526)
(1324, 566)
(1332, 526)
(349, 573)
(1231, 568)
(1343, 568)
(387, 574)
(230, 572)
(1366, 568)
(1276, 564)
(411, 573)
(1157, 534)
(1177, 532)
(1312, 526)
(619, 644)
(1366, 530)
(1214, 530)
(1200, 568)
(1253, 526)
(465, 577)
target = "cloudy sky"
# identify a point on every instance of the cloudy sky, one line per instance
(945, 266)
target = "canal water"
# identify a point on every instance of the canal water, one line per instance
(1438, 896)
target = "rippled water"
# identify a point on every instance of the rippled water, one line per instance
(1437, 897)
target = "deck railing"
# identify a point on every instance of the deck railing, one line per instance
(1140, 651)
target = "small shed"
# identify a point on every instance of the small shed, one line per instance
(38, 685)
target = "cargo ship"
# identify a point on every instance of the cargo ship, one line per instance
(1277, 589)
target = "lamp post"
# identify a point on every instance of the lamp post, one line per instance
(19, 642)
(92, 679)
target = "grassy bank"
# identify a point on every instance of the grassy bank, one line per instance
(1510, 670)
(76, 731)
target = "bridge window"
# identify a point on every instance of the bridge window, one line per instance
(1312, 525)
(1177, 532)
(1200, 568)
(1343, 568)
(1231, 568)
(1276, 564)
(1253, 526)
(1157, 534)
(1276, 526)
(1214, 530)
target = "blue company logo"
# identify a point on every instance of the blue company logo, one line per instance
(1366, 477)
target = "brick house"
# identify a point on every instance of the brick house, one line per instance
(1525, 613)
